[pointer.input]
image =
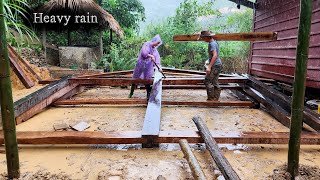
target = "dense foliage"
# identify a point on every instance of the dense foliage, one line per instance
(189, 55)
(190, 17)
(17, 32)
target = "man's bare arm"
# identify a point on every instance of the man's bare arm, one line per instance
(213, 60)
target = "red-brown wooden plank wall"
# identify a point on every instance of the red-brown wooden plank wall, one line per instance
(276, 59)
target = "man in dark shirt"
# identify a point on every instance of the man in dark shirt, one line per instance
(214, 68)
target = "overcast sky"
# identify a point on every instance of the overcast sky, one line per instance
(157, 10)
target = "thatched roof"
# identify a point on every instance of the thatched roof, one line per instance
(82, 7)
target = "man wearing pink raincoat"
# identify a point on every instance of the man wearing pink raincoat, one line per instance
(148, 57)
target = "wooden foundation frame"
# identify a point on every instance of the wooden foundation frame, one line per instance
(250, 92)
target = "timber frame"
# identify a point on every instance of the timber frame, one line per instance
(250, 92)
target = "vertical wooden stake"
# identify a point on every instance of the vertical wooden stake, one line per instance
(299, 87)
(7, 111)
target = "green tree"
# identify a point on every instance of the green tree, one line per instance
(129, 13)
(189, 55)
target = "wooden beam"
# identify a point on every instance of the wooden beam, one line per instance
(192, 72)
(44, 104)
(234, 87)
(24, 78)
(245, 3)
(243, 96)
(274, 109)
(35, 98)
(311, 118)
(192, 160)
(164, 103)
(249, 36)
(168, 81)
(11, 50)
(223, 164)
(106, 74)
(134, 137)
(47, 81)
(151, 124)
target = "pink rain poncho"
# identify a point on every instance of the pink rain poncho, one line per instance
(144, 66)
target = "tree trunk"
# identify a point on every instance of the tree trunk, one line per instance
(7, 111)
(299, 87)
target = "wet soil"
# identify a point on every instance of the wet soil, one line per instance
(132, 162)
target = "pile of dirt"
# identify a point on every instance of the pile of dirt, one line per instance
(34, 57)
(40, 175)
(306, 173)
(31, 57)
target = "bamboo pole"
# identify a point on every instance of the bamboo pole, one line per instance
(7, 112)
(299, 87)
(192, 160)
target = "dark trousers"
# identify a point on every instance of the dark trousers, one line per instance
(212, 82)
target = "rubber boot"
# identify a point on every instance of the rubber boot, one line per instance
(133, 86)
(149, 88)
(210, 94)
(217, 93)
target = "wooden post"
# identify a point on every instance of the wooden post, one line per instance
(7, 112)
(299, 86)
(101, 43)
(213, 148)
(192, 160)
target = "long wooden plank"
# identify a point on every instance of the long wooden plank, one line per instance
(44, 104)
(274, 109)
(48, 81)
(134, 137)
(164, 103)
(192, 72)
(311, 118)
(249, 36)
(199, 87)
(105, 74)
(11, 50)
(31, 100)
(168, 81)
(151, 124)
(24, 78)
(221, 161)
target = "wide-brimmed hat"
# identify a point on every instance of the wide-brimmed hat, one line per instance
(206, 34)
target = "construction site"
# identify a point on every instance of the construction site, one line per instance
(79, 124)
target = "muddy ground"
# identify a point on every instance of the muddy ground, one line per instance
(132, 162)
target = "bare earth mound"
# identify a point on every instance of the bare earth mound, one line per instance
(40, 175)
(306, 173)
